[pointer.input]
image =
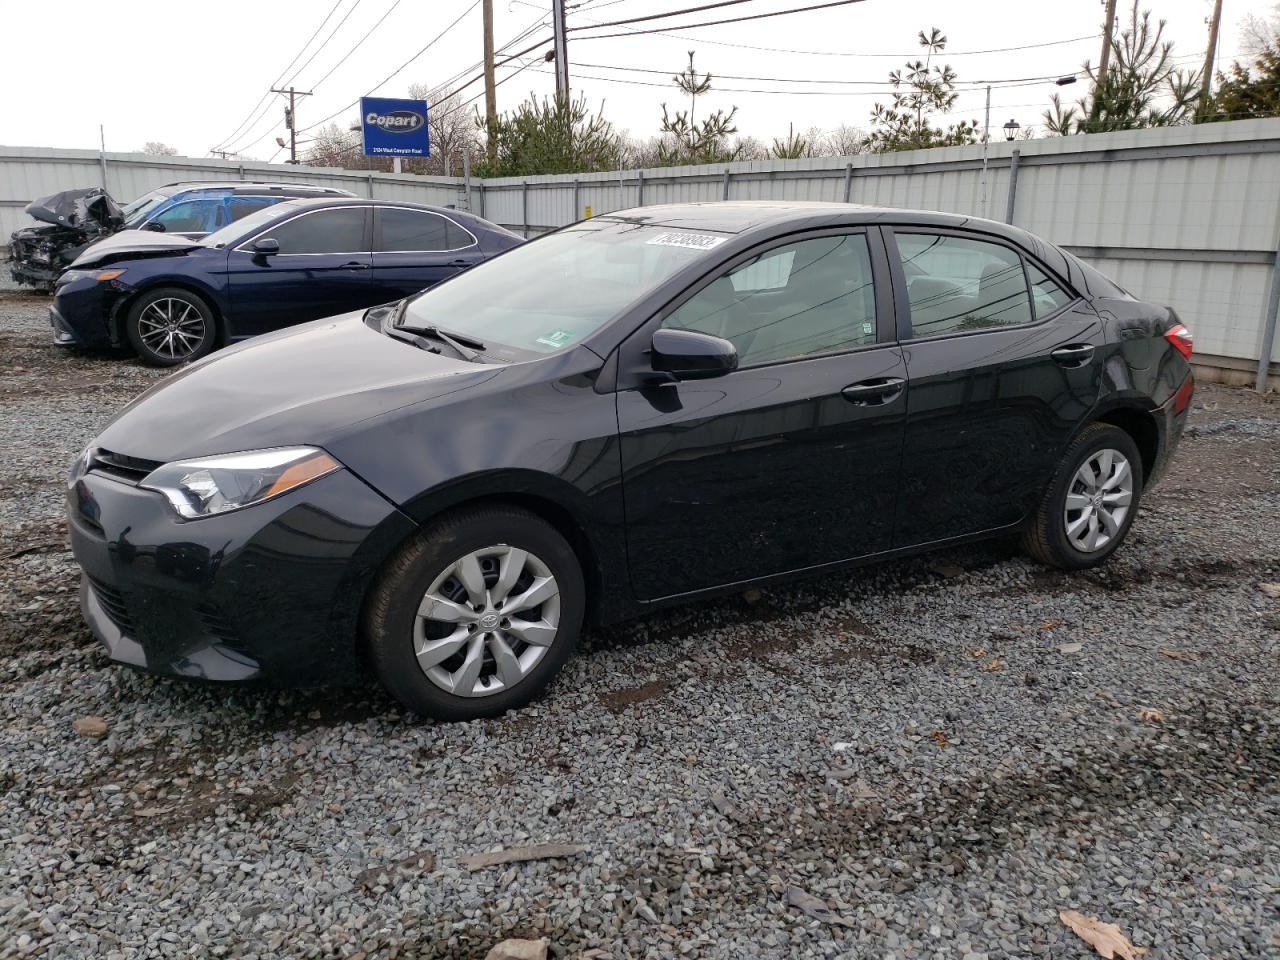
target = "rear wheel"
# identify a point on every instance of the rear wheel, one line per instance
(475, 615)
(1090, 505)
(170, 326)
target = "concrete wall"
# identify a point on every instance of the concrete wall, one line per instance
(1188, 216)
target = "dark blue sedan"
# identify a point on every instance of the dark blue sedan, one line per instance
(173, 299)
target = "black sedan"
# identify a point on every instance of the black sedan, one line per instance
(173, 299)
(644, 408)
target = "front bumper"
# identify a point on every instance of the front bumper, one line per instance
(270, 592)
(82, 311)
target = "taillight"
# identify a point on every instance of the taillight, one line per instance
(1180, 337)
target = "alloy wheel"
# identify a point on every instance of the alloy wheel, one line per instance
(1098, 500)
(486, 621)
(171, 328)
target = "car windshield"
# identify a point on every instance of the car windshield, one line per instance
(136, 212)
(553, 292)
(245, 226)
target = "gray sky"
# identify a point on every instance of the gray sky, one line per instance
(187, 75)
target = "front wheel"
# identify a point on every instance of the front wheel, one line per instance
(170, 326)
(1090, 505)
(476, 614)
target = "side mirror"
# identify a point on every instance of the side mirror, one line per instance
(689, 355)
(266, 246)
(154, 225)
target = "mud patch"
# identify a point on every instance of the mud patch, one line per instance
(617, 701)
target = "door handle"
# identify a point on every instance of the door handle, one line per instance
(874, 393)
(1073, 355)
(354, 265)
(459, 263)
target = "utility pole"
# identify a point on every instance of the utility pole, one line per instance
(490, 93)
(1104, 61)
(561, 50)
(1207, 83)
(986, 136)
(224, 154)
(291, 118)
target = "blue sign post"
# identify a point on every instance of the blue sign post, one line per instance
(394, 128)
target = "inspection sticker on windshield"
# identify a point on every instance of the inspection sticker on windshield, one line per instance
(694, 241)
(556, 338)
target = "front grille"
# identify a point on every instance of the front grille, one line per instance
(122, 466)
(113, 604)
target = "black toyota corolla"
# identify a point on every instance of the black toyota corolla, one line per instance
(639, 409)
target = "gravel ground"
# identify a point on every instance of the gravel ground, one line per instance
(946, 751)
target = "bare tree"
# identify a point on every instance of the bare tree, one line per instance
(1260, 33)
(154, 148)
(451, 128)
(843, 141)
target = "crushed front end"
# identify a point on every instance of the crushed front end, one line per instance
(72, 220)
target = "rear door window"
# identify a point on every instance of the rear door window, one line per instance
(412, 231)
(340, 230)
(958, 284)
(1046, 292)
(241, 207)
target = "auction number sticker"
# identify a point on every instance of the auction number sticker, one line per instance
(693, 241)
(556, 338)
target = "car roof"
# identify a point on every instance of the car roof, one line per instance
(306, 203)
(743, 216)
(254, 186)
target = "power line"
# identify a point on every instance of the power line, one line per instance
(430, 43)
(815, 80)
(829, 53)
(266, 96)
(358, 44)
(706, 23)
(325, 42)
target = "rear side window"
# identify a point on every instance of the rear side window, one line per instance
(243, 206)
(1045, 291)
(805, 298)
(418, 231)
(955, 284)
(326, 231)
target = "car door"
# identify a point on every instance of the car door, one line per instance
(322, 269)
(791, 460)
(999, 379)
(416, 249)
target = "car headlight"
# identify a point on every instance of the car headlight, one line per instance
(80, 467)
(207, 486)
(102, 276)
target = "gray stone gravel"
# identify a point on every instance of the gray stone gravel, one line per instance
(908, 743)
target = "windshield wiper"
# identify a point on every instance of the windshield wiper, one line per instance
(467, 347)
(406, 336)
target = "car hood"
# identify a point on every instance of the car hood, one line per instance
(90, 209)
(134, 245)
(310, 384)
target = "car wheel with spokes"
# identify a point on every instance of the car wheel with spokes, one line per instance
(476, 614)
(170, 326)
(1091, 503)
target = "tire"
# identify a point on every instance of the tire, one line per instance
(1054, 535)
(169, 326)
(405, 644)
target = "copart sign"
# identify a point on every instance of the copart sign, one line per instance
(394, 128)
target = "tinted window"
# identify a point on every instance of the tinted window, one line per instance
(325, 231)
(810, 297)
(404, 230)
(955, 284)
(190, 216)
(243, 206)
(1045, 291)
